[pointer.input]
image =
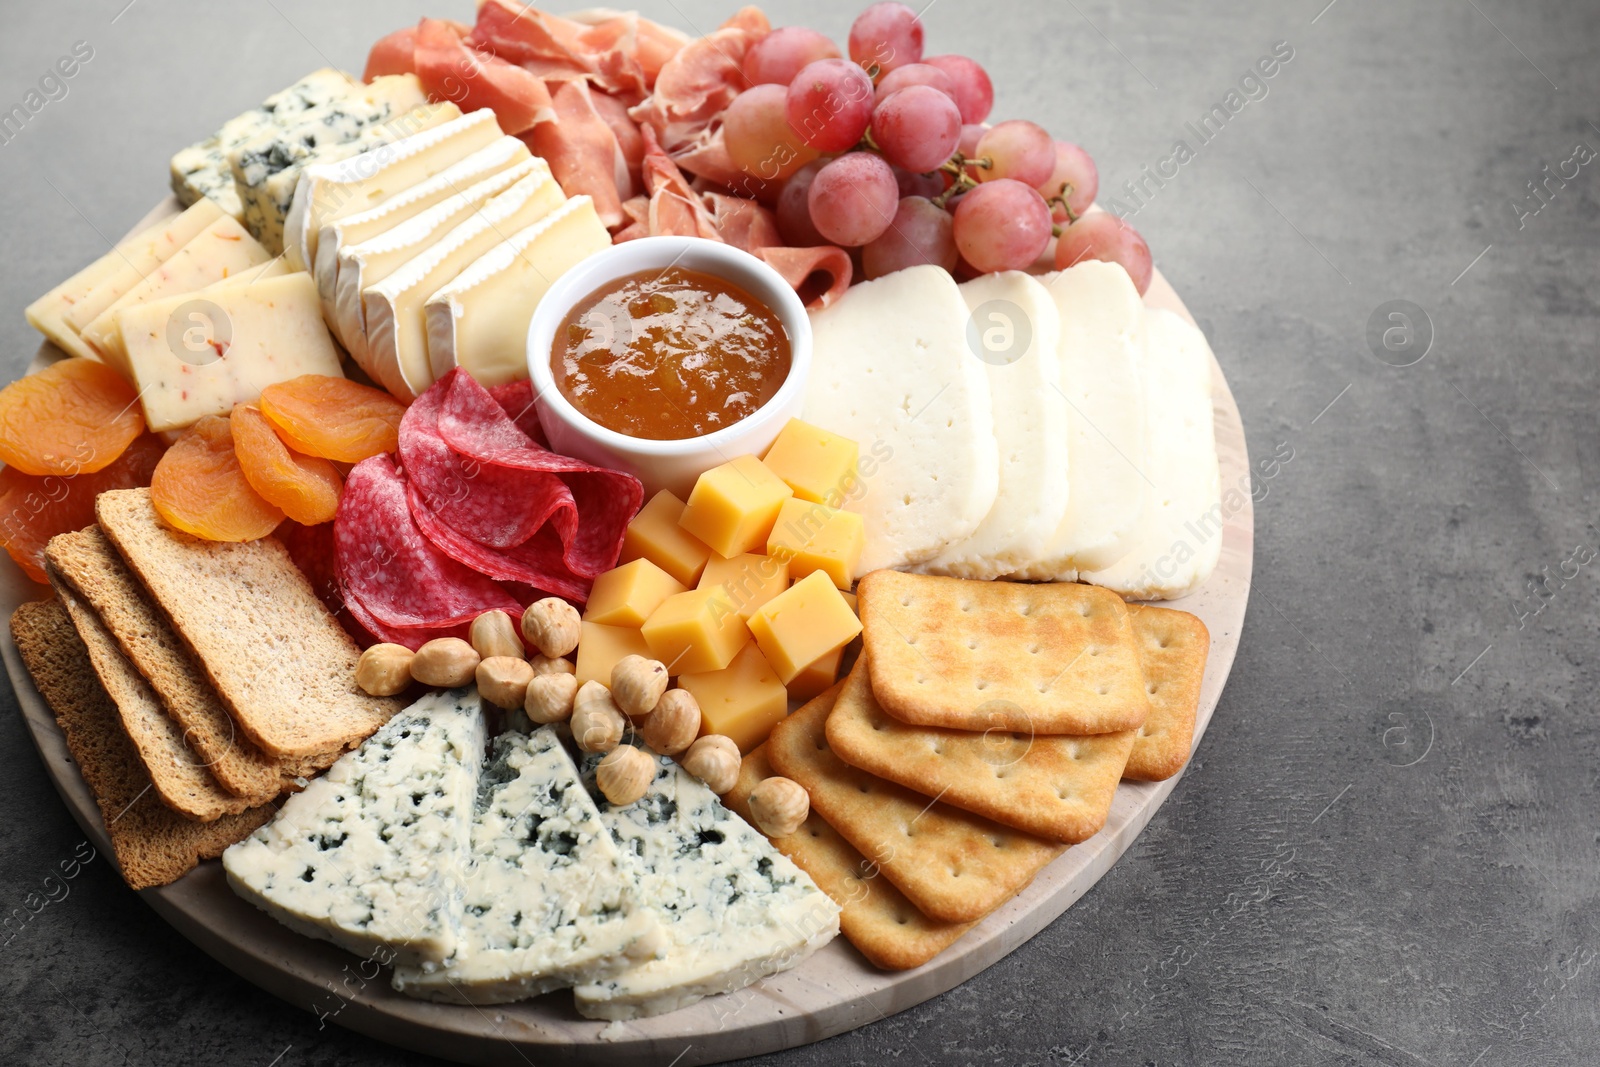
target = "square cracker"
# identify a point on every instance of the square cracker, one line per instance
(1053, 786)
(875, 916)
(1031, 659)
(154, 845)
(953, 865)
(1173, 646)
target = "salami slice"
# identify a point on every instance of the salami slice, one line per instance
(536, 562)
(516, 400)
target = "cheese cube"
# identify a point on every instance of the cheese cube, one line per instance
(850, 598)
(654, 534)
(744, 700)
(819, 466)
(627, 595)
(749, 580)
(602, 647)
(695, 632)
(815, 537)
(816, 676)
(733, 507)
(802, 624)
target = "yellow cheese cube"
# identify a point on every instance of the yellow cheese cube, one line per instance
(601, 647)
(654, 534)
(816, 676)
(733, 506)
(695, 632)
(819, 466)
(802, 624)
(626, 596)
(749, 580)
(850, 598)
(744, 700)
(815, 537)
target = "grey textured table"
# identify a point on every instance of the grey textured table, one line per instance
(1385, 851)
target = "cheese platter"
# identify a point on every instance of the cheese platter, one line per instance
(561, 655)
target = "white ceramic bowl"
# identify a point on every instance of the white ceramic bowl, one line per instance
(670, 465)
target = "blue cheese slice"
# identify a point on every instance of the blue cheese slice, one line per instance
(548, 902)
(372, 856)
(733, 909)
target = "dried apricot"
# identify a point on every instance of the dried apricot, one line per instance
(334, 418)
(34, 508)
(199, 488)
(74, 417)
(305, 487)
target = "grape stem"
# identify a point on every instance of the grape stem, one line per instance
(1067, 190)
(957, 165)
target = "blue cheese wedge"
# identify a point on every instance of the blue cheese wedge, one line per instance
(548, 901)
(732, 908)
(373, 855)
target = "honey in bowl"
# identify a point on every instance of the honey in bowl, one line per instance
(667, 355)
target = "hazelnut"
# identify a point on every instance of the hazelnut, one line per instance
(625, 774)
(552, 626)
(597, 723)
(779, 806)
(384, 670)
(494, 634)
(637, 683)
(714, 759)
(673, 724)
(549, 697)
(543, 664)
(446, 662)
(503, 681)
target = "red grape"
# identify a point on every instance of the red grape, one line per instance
(917, 128)
(914, 74)
(1105, 237)
(853, 199)
(783, 53)
(1002, 225)
(760, 140)
(968, 146)
(1017, 149)
(1075, 177)
(886, 36)
(794, 209)
(829, 104)
(928, 185)
(922, 232)
(974, 92)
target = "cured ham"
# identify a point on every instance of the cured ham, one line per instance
(820, 275)
(472, 79)
(583, 152)
(698, 83)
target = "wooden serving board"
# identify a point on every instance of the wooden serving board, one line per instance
(834, 991)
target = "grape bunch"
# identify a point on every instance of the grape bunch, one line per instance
(888, 151)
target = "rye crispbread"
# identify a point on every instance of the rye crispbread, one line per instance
(1173, 646)
(1053, 658)
(874, 916)
(953, 865)
(154, 845)
(281, 663)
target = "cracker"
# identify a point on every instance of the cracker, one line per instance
(875, 917)
(1173, 646)
(154, 845)
(1056, 787)
(1031, 659)
(953, 865)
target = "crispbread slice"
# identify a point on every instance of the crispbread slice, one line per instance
(282, 665)
(154, 845)
(1173, 646)
(87, 563)
(875, 916)
(1057, 787)
(953, 865)
(1030, 659)
(178, 774)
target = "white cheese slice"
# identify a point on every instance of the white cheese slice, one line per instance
(397, 343)
(1178, 539)
(1016, 332)
(199, 354)
(1103, 385)
(372, 855)
(479, 321)
(548, 901)
(220, 251)
(326, 192)
(374, 259)
(733, 910)
(891, 370)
